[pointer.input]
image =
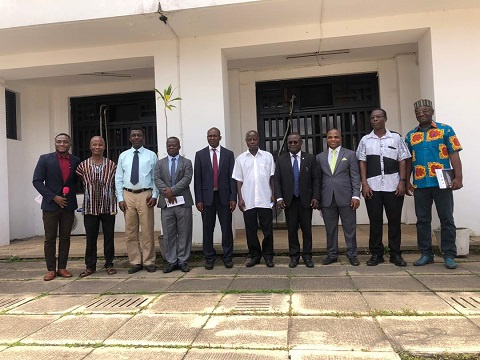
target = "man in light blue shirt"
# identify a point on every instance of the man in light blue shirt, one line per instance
(137, 197)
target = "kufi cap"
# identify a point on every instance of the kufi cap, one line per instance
(422, 102)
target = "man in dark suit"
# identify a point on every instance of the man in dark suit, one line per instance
(54, 173)
(215, 194)
(340, 196)
(173, 175)
(297, 189)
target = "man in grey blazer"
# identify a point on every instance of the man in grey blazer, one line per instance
(173, 175)
(340, 196)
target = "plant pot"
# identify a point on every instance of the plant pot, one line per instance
(462, 240)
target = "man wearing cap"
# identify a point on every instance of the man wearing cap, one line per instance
(433, 146)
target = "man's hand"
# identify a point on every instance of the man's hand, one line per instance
(456, 184)
(367, 191)
(172, 199)
(60, 200)
(354, 204)
(123, 206)
(199, 206)
(151, 202)
(400, 188)
(167, 192)
(410, 189)
(281, 204)
(241, 205)
(233, 205)
(314, 204)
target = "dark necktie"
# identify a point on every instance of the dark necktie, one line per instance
(172, 172)
(296, 173)
(215, 169)
(135, 166)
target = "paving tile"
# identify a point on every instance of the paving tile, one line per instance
(260, 283)
(432, 334)
(122, 273)
(420, 302)
(218, 284)
(22, 275)
(328, 302)
(385, 269)
(31, 286)
(388, 283)
(166, 329)
(238, 354)
(451, 282)
(475, 320)
(254, 303)
(23, 265)
(474, 267)
(51, 304)
(342, 355)
(115, 304)
(16, 327)
(464, 302)
(196, 303)
(334, 333)
(121, 353)
(244, 331)
(142, 285)
(262, 270)
(218, 270)
(44, 353)
(87, 286)
(75, 329)
(322, 284)
(435, 269)
(320, 270)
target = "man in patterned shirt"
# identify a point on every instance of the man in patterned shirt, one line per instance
(99, 205)
(382, 155)
(433, 146)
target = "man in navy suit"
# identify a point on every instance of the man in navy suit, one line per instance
(53, 174)
(215, 194)
(297, 189)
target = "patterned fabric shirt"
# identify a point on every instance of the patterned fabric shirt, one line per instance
(382, 156)
(99, 182)
(431, 149)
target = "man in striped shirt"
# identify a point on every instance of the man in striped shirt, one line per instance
(99, 205)
(382, 155)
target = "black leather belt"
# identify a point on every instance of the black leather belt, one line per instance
(137, 191)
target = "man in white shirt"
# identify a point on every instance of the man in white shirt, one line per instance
(254, 171)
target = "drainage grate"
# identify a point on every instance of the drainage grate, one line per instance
(117, 303)
(9, 302)
(254, 302)
(467, 302)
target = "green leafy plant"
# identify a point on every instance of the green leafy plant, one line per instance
(167, 97)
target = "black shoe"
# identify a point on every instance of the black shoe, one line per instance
(252, 262)
(354, 261)
(228, 264)
(309, 263)
(293, 263)
(375, 260)
(134, 269)
(328, 260)
(269, 263)
(397, 260)
(169, 268)
(151, 268)
(209, 265)
(184, 267)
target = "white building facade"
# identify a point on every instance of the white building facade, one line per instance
(214, 53)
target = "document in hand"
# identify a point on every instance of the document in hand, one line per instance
(180, 201)
(444, 177)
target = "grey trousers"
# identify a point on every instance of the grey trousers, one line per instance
(177, 234)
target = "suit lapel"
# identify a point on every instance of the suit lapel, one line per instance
(222, 159)
(209, 161)
(339, 158)
(179, 166)
(302, 162)
(56, 165)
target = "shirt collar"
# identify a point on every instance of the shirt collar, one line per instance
(63, 157)
(140, 149)
(173, 157)
(217, 148)
(337, 148)
(387, 134)
(433, 125)
(299, 154)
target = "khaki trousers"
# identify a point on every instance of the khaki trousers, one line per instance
(139, 216)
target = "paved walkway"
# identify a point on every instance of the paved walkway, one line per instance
(328, 312)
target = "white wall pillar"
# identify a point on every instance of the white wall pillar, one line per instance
(5, 209)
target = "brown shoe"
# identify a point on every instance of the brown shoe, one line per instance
(64, 273)
(50, 275)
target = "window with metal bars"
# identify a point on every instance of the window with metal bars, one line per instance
(11, 114)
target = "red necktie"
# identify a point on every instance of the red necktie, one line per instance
(215, 169)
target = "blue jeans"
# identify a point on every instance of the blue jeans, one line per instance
(443, 198)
